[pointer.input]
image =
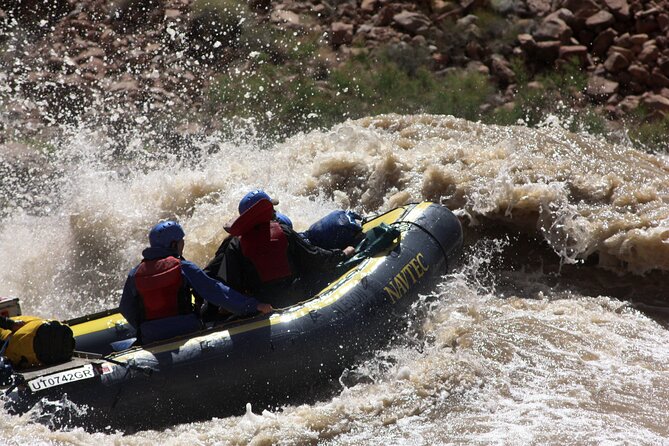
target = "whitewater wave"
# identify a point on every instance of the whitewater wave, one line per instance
(526, 344)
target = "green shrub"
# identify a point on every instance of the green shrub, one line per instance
(650, 136)
(282, 100)
(462, 94)
(569, 78)
(496, 30)
(589, 121)
(278, 46)
(558, 92)
(407, 58)
(531, 106)
(523, 76)
(219, 21)
(224, 9)
(279, 101)
(382, 86)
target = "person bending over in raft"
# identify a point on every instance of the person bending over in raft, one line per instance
(264, 256)
(156, 298)
(337, 230)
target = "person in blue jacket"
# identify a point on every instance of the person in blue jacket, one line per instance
(157, 296)
(265, 258)
(337, 230)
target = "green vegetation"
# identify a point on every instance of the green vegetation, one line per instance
(649, 135)
(226, 11)
(219, 21)
(558, 93)
(282, 99)
(285, 87)
(496, 30)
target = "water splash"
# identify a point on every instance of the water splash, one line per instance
(478, 357)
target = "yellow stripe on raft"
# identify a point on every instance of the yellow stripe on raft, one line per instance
(98, 324)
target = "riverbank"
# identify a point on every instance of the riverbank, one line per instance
(184, 67)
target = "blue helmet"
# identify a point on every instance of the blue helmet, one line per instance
(164, 233)
(252, 198)
(282, 218)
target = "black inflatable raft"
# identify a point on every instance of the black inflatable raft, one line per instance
(266, 360)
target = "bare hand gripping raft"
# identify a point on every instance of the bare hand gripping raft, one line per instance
(265, 360)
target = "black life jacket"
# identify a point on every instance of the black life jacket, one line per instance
(162, 289)
(263, 242)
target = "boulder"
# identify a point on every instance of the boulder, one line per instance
(385, 15)
(553, 29)
(440, 60)
(625, 52)
(548, 51)
(539, 7)
(341, 34)
(478, 67)
(285, 17)
(172, 13)
(616, 62)
(526, 41)
(658, 79)
(646, 22)
(578, 52)
(535, 85)
(125, 85)
(648, 55)
(411, 22)
(368, 5)
(663, 21)
(383, 34)
(600, 87)
(563, 14)
(603, 41)
(441, 6)
(663, 65)
(639, 73)
(620, 8)
(600, 19)
(629, 103)
(89, 53)
(582, 9)
(638, 40)
(624, 40)
(473, 50)
(656, 102)
(501, 69)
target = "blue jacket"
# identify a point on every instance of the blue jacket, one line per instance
(204, 286)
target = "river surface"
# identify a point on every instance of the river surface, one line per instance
(552, 330)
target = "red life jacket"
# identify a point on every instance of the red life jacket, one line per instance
(162, 288)
(263, 242)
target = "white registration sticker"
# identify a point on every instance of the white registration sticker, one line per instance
(58, 379)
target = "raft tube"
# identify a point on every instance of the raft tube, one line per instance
(266, 360)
